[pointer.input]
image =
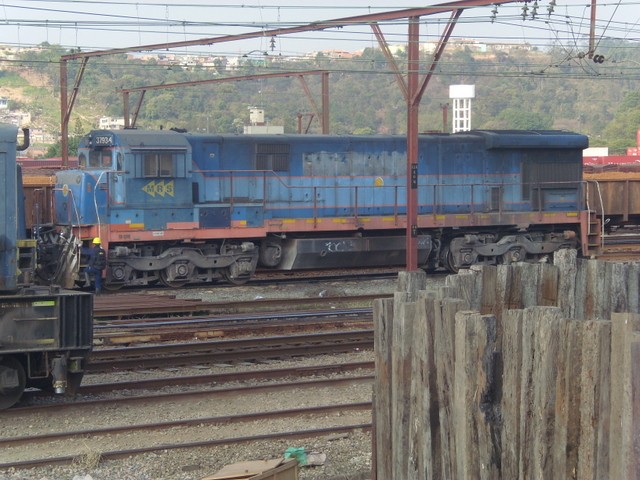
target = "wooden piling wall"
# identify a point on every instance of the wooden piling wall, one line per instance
(492, 376)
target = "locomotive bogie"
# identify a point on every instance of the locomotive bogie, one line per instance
(176, 265)
(294, 198)
(492, 249)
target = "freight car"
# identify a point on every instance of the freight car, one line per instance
(45, 332)
(178, 208)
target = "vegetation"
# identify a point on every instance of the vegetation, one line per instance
(514, 89)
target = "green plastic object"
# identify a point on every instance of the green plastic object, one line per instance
(298, 453)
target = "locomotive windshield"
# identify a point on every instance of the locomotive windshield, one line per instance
(94, 158)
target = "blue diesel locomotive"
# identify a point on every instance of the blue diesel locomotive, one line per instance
(181, 208)
(45, 332)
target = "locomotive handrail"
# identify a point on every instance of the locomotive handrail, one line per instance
(466, 200)
(263, 172)
(599, 195)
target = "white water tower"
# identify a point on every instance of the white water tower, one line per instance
(461, 96)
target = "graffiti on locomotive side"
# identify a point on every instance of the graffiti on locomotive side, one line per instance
(340, 246)
(160, 188)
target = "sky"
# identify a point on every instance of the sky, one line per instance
(91, 25)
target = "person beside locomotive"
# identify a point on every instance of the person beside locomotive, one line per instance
(96, 263)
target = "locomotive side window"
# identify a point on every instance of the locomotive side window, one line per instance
(158, 164)
(272, 156)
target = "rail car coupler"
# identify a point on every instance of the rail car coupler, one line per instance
(59, 374)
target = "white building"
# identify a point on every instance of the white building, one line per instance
(258, 125)
(111, 123)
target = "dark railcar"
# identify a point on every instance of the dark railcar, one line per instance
(45, 332)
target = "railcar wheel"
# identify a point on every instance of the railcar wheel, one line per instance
(73, 383)
(112, 287)
(13, 381)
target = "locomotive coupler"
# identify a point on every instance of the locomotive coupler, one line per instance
(59, 374)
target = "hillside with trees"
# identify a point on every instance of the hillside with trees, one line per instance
(515, 89)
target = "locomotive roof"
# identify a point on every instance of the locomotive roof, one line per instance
(532, 138)
(143, 138)
(492, 138)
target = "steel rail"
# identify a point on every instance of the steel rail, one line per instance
(119, 306)
(117, 454)
(229, 319)
(157, 330)
(225, 419)
(151, 356)
(215, 378)
(190, 395)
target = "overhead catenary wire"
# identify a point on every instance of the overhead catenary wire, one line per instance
(122, 23)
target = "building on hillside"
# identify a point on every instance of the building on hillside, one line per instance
(111, 123)
(257, 124)
(19, 119)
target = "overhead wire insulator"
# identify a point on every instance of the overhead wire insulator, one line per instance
(551, 7)
(494, 13)
(525, 9)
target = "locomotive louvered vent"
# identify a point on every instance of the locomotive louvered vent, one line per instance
(555, 171)
(272, 156)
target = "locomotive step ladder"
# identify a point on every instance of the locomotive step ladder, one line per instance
(595, 237)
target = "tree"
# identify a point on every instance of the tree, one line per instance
(519, 119)
(620, 133)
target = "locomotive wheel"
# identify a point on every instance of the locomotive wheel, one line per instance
(448, 260)
(512, 256)
(171, 283)
(13, 381)
(164, 279)
(228, 276)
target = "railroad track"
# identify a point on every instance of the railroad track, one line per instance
(138, 306)
(195, 380)
(128, 452)
(189, 426)
(322, 411)
(154, 329)
(229, 351)
(283, 278)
